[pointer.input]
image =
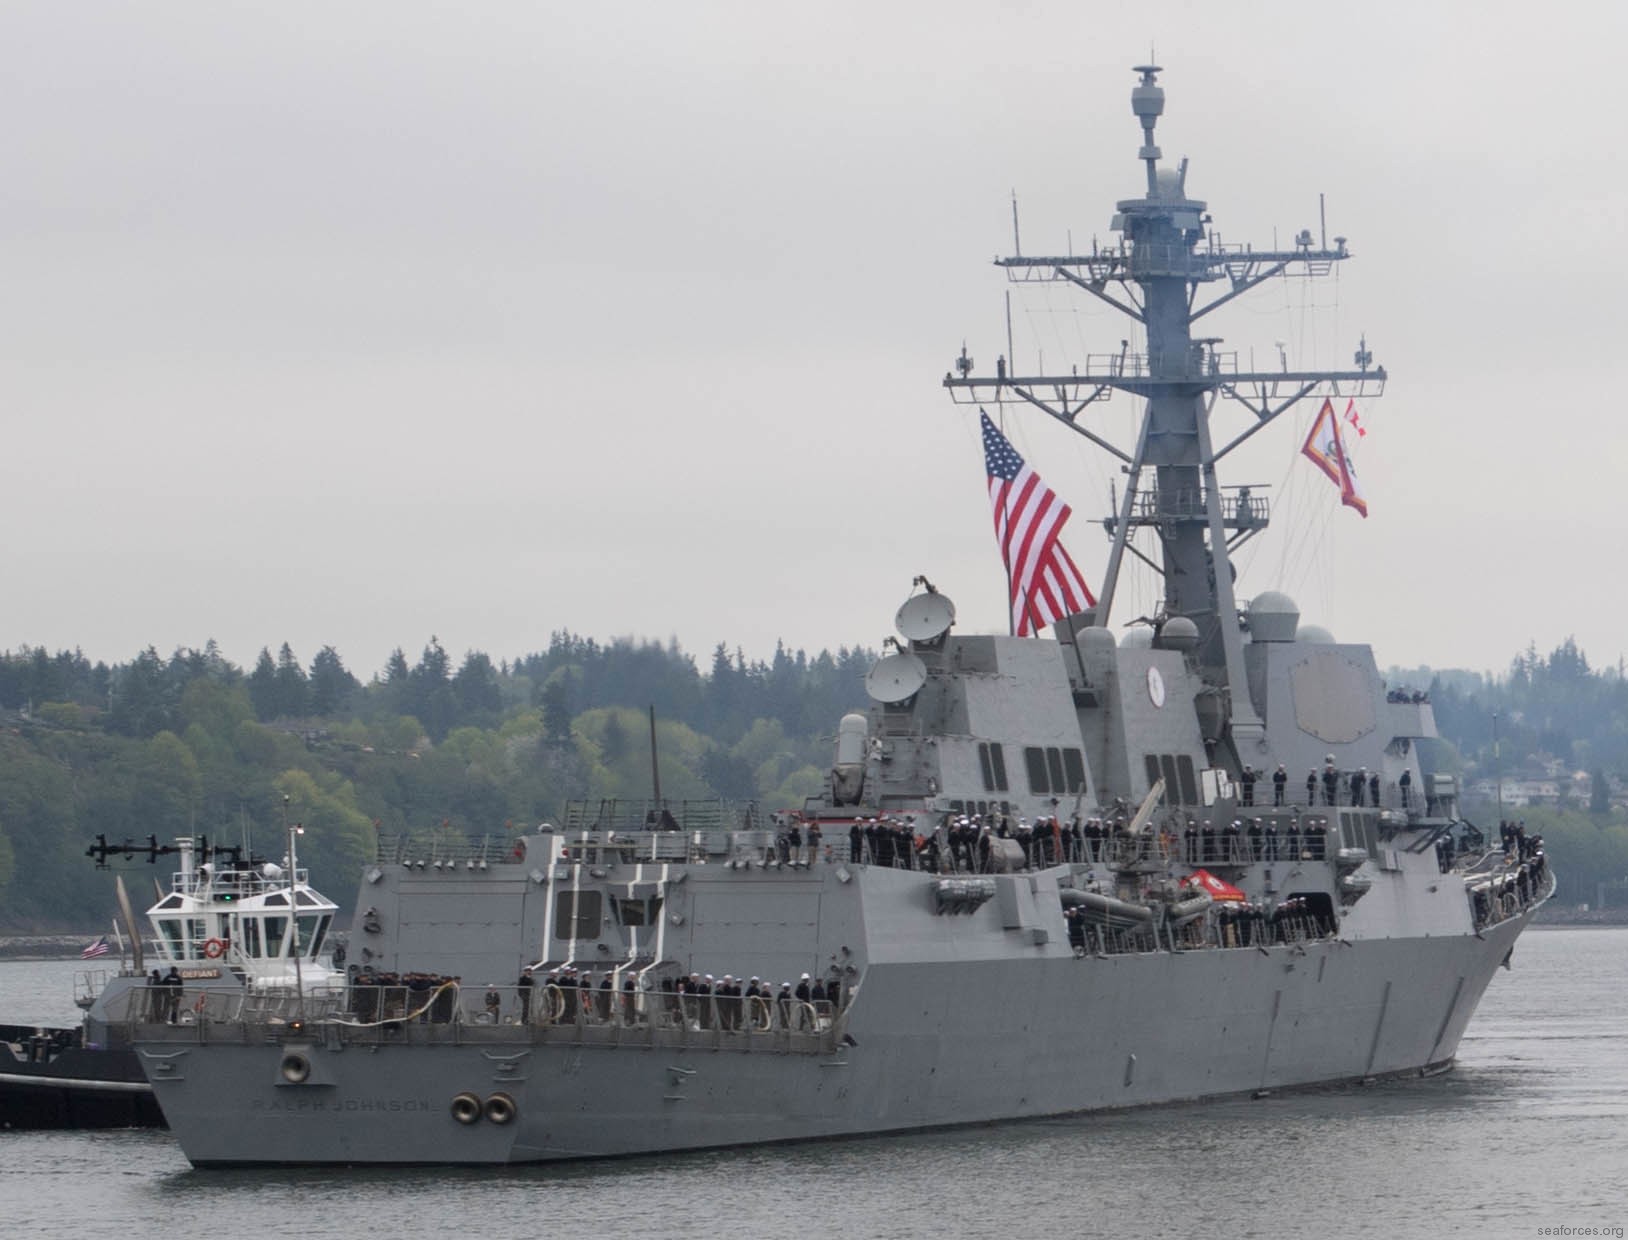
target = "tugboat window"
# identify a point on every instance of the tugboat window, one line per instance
(311, 931)
(171, 929)
(275, 927)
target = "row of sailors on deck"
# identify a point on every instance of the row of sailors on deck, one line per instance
(569, 993)
(699, 1000)
(1510, 892)
(1359, 787)
(1515, 842)
(963, 844)
(433, 997)
(1363, 787)
(1256, 841)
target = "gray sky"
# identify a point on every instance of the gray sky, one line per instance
(350, 324)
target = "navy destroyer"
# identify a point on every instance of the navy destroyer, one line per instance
(1049, 874)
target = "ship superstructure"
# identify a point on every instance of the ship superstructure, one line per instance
(1046, 875)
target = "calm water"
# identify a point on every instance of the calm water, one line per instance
(1530, 1131)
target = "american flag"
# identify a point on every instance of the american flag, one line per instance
(1045, 584)
(98, 948)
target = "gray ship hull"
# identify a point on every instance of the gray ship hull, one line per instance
(927, 1045)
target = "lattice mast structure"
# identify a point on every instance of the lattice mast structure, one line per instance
(1165, 260)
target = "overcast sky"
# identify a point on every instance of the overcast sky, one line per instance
(353, 324)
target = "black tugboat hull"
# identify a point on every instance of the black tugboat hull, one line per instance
(77, 1088)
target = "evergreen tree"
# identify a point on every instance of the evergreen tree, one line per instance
(556, 703)
(430, 691)
(144, 697)
(476, 691)
(331, 684)
(263, 687)
(293, 694)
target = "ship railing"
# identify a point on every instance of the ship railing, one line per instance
(393, 1015)
(1247, 849)
(186, 1013)
(630, 815)
(1239, 507)
(1508, 891)
(242, 882)
(548, 1014)
(1094, 938)
(441, 849)
(89, 983)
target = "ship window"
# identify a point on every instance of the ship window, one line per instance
(984, 767)
(639, 912)
(310, 930)
(1054, 767)
(997, 762)
(1035, 760)
(1189, 785)
(1172, 789)
(577, 915)
(1151, 762)
(958, 807)
(1074, 768)
(275, 927)
(251, 937)
(170, 928)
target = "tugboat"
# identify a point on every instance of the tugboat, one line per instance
(231, 924)
(1039, 880)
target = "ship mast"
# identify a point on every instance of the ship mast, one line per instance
(1154, 276)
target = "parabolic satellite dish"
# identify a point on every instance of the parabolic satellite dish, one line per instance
(925, 617)
(895, 677)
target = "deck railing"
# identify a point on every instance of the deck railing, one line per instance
(449, 1013)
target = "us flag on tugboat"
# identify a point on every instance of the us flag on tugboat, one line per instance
(98, 948)
(1044, 584)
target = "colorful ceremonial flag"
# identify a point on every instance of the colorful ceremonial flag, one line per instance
(1044, 584)
(1218, 888)
(1327, 450)
(98, 948)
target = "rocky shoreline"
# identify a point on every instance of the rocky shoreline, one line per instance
(53, 946)
(1575, 915)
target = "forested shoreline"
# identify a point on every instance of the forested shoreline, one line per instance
(193, 744)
